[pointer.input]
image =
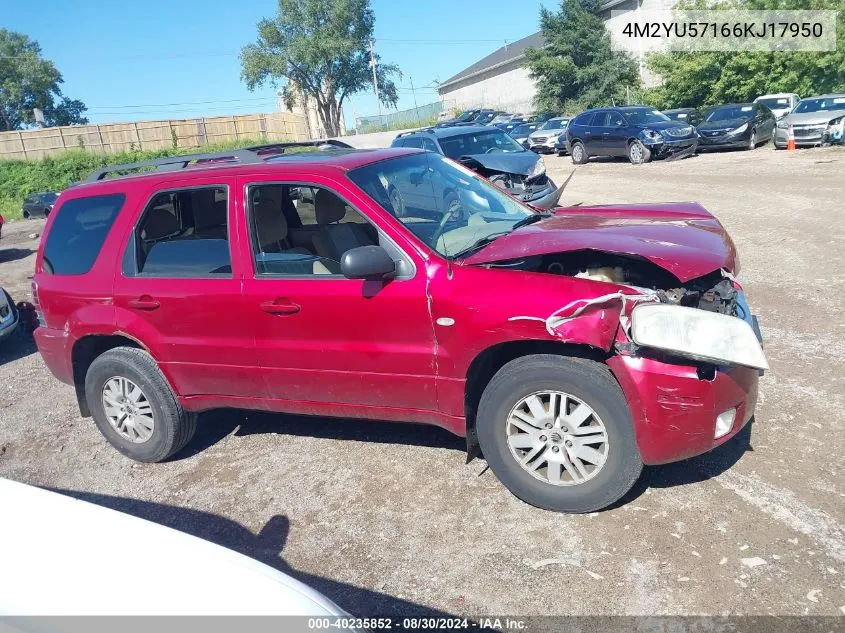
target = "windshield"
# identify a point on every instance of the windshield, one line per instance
(639, 116)
(678, 116)
(775, 103)
(467, 115)
(479, 143)
(523, 130)
(728, 113)
(50, 197)
(444, 204)
(820, 105)
(555, 124)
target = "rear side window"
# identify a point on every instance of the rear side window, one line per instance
(182, 234)
(78, 233)
(585, 118)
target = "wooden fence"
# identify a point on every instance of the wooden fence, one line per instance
(116, 137)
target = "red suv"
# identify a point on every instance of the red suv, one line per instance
(569, 347)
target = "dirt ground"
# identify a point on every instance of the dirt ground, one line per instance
(388, 519)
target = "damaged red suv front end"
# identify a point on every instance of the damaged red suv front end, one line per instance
(677, 254)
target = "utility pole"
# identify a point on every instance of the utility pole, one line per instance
(416, 107)
(375, 77)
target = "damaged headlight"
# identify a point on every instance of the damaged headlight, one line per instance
(740, 129)
(697, 334)
(539, 168)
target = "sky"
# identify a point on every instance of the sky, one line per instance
(158, 59)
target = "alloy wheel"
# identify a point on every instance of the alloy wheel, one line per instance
(557, 438)
(128, 410)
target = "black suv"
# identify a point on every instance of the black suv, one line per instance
(638, 132)
(494, 155)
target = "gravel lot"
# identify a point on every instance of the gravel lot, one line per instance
(389, 519)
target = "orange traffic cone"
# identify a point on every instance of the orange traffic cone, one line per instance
(790, 140)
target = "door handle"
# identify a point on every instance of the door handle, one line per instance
(605, 133)
(144, 302)
(280, 306)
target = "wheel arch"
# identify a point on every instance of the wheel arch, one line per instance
(486, 363)
(85, 350)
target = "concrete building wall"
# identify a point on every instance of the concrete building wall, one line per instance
(507, 87)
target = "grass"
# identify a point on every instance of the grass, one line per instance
(19, 178)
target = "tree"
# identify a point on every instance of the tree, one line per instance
(695, 79)
(321, 47)
(577, 69)
(28, 81)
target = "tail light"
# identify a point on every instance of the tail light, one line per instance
(39, 315)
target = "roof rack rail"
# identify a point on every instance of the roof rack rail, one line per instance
(246, 155)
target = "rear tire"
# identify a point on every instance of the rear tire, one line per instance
(580, 381)
(172, 427)
(26, 215)
(579, 153)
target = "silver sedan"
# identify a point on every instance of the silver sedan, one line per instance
(814, 121)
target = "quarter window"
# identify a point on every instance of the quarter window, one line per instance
(78, 233)
(184, 234)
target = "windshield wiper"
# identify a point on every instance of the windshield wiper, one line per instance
(484, 241)
(531, 219)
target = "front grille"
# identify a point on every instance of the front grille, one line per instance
(679, 131)
(539, 139)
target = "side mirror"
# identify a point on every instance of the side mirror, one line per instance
(367, 262)
(416, 177)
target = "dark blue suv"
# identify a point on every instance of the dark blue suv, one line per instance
(638, 132)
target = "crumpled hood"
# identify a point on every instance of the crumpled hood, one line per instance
(680, 237)
(521, 163)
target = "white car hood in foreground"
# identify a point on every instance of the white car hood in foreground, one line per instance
(62, 556)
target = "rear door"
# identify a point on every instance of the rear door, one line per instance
(615, 135)
(179, 289)
(592, 133)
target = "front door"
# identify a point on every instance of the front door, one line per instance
(323, 338)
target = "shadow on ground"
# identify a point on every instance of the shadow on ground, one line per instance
(694, 470)
(266, 547)
(213, 426)
(19, 345)
(14, 254)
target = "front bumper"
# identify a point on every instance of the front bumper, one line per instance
(665, 148)
(544, 147)
(546, 198)
(806, 137)
(674, 410)
(725, 141)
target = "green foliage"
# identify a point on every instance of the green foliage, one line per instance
(321, 47)
(29, 81)
(578, 69)
(18, 178)
(706, 78)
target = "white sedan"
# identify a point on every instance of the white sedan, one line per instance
(62, 556)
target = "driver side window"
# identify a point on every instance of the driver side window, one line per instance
(303, 230)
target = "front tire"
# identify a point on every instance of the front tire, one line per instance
(579, 153)
(134, 407)
(26, 215)
(638, 153)
(752, 140)
(558, 434)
